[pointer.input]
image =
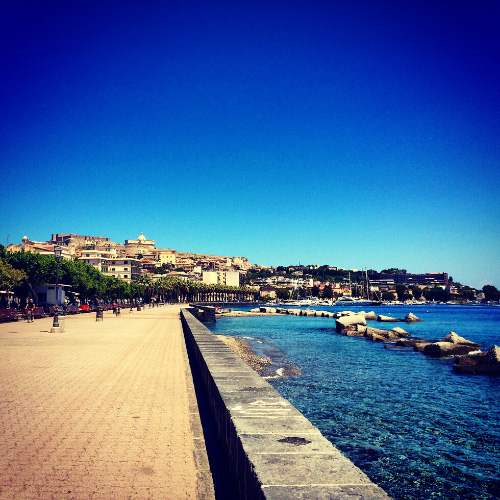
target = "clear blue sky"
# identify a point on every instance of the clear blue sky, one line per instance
(350, 133)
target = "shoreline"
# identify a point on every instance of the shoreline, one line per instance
(264, 366)
(242, 348)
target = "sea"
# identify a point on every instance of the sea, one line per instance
(417, 428)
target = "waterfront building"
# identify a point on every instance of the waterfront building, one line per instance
(268, 291)
(391, 279)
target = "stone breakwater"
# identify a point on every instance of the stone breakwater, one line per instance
(468, 356)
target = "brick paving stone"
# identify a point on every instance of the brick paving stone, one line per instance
(103, 410)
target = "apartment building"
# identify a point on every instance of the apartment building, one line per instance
(228, 278)
(98, 258)
(124, 268)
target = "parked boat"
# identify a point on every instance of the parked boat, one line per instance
(352, 301)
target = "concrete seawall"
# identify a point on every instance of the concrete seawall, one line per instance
(274, 452)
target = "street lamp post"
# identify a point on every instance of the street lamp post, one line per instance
(57, 256)
(99, 311)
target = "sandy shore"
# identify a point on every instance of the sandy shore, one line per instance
(240, 346)
(263, 366)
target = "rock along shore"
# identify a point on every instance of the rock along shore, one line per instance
(469, 359)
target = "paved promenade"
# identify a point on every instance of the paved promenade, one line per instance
(102, 411)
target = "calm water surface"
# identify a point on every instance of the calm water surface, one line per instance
(418, 429)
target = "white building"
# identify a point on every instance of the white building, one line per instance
(124, 268)
(210, 277)
(228, 278)
(98, 258)
(232, 278)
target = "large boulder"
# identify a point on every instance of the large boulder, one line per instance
(353, 333)
(371, 316)
(485, 362)
(380, 317)
(376, 338)
(440, 349)
(380, 335)
(491, 357)
(455, 339)
(349, 322)
(410, 342)
(420, 346)
(268, 310)
(411, 318)
(400, 332)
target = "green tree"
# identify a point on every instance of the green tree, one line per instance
(146, 284)
(400, 291)
(491, 293)
(388, 296)
(10, 278)
(467, 293)
(39, 269)
(437, 294)
(328, 292)
(282, 293)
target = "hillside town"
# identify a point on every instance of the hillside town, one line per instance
(138, 257)
(128, 261)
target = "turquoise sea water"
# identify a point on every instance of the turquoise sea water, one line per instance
(418, 429)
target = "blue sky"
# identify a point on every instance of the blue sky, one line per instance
(350, 133)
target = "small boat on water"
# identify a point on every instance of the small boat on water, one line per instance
(300, 302)
(353, 301)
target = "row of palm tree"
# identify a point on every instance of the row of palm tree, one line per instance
(174, 289)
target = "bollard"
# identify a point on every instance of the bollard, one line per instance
(60, 325)
(99, 314)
